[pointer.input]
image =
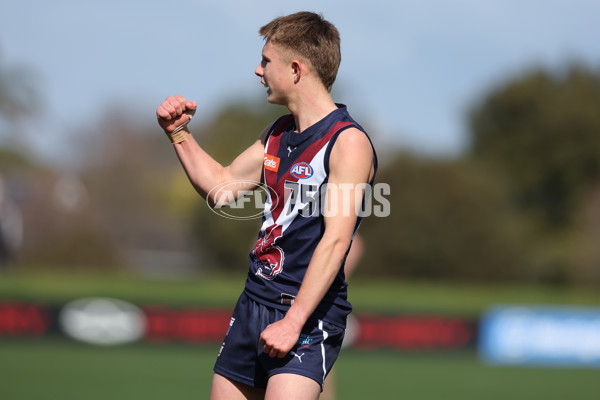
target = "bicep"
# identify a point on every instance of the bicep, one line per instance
(350, 169)
(249, 164)
(245, 172)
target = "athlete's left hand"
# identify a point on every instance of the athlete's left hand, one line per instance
(279, 338)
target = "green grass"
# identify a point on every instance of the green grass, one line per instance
(65, 370)
(378, 375)
(55, 368)
(60, 286)
(58, 369)
(461, 298)
(220, 290)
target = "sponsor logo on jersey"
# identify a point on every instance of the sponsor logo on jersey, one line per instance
(302, 170)
(271, 162)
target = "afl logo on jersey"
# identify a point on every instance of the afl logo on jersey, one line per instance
(301, 170)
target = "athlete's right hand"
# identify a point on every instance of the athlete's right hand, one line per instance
(174, 112)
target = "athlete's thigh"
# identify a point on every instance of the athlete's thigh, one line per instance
(223, 388)
(292, 387)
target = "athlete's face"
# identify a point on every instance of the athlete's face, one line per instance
(275, 73)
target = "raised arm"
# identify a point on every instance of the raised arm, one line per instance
(204, 172)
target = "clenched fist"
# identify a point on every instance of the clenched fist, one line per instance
(175, 112)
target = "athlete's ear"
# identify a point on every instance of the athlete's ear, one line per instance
(297, 70)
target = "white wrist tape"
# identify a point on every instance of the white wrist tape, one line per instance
(179, 135)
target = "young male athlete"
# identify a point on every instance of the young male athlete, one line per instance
(288, 325)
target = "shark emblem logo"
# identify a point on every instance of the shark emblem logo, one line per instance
(268, 256)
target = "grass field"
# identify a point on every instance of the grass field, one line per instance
(62, 369)
(222, 290)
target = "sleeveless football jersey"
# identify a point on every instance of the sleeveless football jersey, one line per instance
(296, 168)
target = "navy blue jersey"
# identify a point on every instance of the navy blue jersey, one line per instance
(296, 168)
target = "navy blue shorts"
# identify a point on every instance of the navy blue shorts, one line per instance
(242, 359)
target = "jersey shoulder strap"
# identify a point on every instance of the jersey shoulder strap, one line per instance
(278, 127)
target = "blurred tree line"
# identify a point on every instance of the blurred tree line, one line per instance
(522, 203)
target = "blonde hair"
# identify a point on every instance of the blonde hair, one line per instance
(310, 36)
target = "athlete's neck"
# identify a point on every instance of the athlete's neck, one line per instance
(310, 114)
(310, 107)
